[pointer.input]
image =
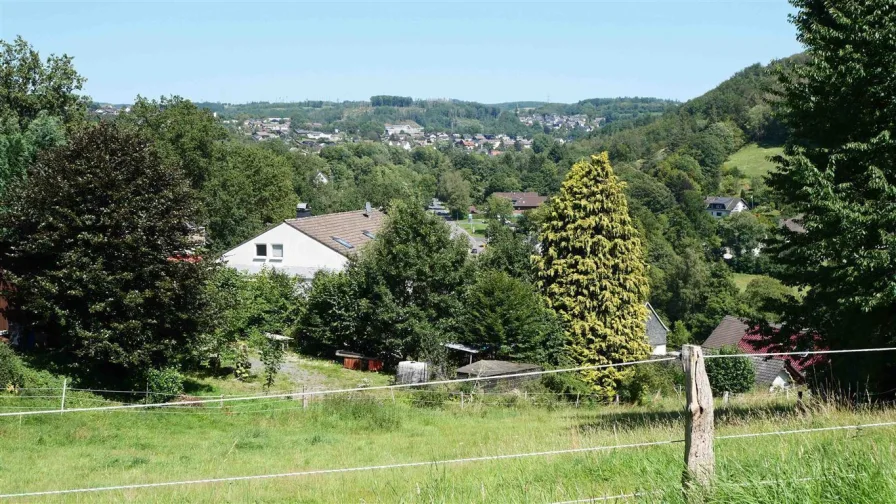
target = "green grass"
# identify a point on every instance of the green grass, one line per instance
(752, 160)
(741, 280)
(98, 449)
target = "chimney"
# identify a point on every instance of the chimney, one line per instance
(367, 209)
(303, 210)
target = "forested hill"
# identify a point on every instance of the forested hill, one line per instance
(366, 117)
(738, 110)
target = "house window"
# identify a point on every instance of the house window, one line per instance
(261, 250)
(718, 214)
(342, 242)
(369, 235)
(277, 250)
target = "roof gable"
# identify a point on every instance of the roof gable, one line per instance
(337, 229)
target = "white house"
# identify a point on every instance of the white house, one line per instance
(656, 332)
(307, 244)
(720, 207)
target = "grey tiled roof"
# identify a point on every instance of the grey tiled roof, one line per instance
(727, 201)
(656, 329)
(522, 199)
(766, 369)
(729, 332)
(348, 226)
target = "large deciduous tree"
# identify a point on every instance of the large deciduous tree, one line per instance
(593, 273)
(29, 85)
(839, 172)
(93, 245)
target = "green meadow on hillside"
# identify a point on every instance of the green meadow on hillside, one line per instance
(753, 160)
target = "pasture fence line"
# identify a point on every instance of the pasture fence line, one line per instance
(435, 463)
(318, 472)
(312, 393)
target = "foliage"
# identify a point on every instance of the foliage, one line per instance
(593, 273)
(244, 303)
(11, 369)
(242, 367)
(164, 384)
(250, 191)
(94, 244)
(498, 208)
(838, 173)
(743, 234)
(30, 86)
(509, 318)
(762, 296)
(730, 374)
(20, 147)
(508, 251)
(455, 190)
(272, 358)
(660, 378)
(401, 298)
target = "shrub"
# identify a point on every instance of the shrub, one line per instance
(732, 374)
(429, 398)
(164, 384)
(649, 379)
(242, 367)
(272, 357)
(12, 372)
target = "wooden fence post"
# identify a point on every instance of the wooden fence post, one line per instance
(64, 386)
(304, 398)
(699, 456)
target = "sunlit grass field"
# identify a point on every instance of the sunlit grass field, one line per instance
(752, 160)
(66, 451)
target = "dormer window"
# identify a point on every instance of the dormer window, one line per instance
(261, 250)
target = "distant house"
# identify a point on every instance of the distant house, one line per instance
(774, 372)
(522, 201)
(657, 332)
(719, 206)
(307, 244)
(410, 127)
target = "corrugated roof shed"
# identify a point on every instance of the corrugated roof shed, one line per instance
(496, 368)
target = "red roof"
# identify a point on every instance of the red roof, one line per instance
(733, 331)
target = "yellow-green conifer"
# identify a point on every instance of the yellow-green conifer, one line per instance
(593, 274)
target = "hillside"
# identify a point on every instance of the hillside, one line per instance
(753, 160)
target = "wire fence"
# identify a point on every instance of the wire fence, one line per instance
(433, 463)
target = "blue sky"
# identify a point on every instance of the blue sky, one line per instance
(487, 52)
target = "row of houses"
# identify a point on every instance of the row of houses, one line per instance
(557, 121)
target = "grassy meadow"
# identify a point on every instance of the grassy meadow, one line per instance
(77, 450)
(752, 159)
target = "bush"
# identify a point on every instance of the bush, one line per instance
(732, 374)
(429, 398)
(242, 367)
(12, 371)
(164, 384)
(660, 377)
(272, 357)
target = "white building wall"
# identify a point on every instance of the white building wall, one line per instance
(782, 381)
(302, 255)
(658, 350)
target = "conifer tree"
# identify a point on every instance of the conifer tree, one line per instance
(593, 273)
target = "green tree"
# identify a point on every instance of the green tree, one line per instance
(400, 298)
(838, 171)
(730, 374)
(252, 189)
(743, 234)
(499, 209)
(29, 86)
(92, 244)
(19, 148)
(508, 251)
(184, 134)
(509, 318)
(593, 274)
(455, 190)
(762, 296)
